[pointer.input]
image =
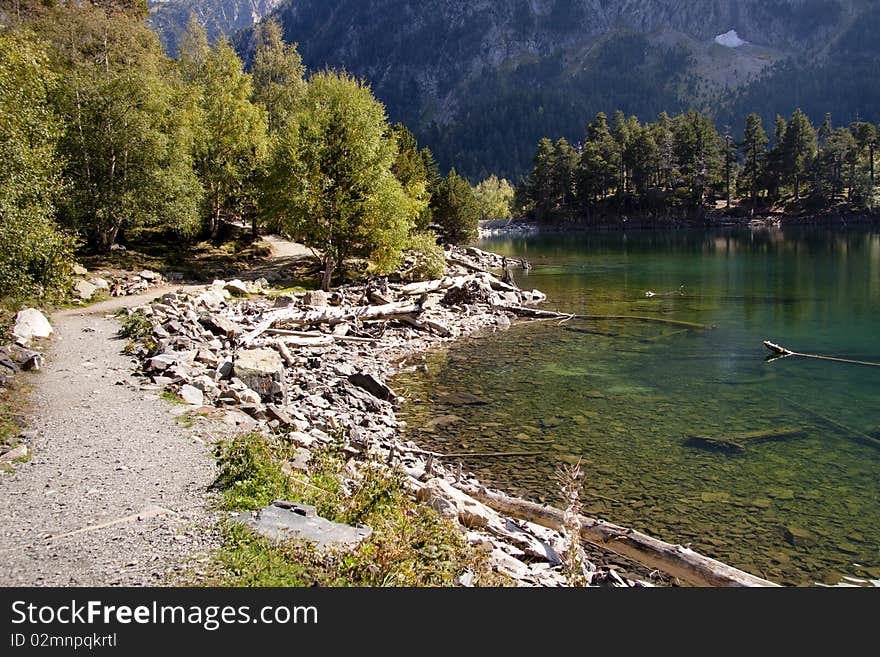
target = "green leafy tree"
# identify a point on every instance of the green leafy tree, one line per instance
(34, 253)
(754, 150)
(456, 212)
(233, 141)
(330, 181)
(494, 198)
(798, 149)
(124, 136)
(278, 73)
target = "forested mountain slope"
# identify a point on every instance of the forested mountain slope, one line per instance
(481, 80)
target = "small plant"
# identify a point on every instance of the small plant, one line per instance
(569, 479)
(137, 327)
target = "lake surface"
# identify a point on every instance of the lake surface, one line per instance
(623, 396)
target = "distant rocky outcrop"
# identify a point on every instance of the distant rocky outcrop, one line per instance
(220, 17)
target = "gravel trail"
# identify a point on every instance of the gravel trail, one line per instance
(116, 491)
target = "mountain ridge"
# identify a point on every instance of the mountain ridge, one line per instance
(480, 81)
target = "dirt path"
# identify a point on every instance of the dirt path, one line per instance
(116, 490)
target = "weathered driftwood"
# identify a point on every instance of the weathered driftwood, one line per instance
(859, 436)
(316, 338)
(524, 311)
(676, 560)
(427, 325)
(738, 441)
(286, 356)
(331, 315)
(466, 264)
(415, 289)
(783, 352)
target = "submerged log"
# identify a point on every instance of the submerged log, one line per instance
(859, 436)
(739, 441)
(524, 311)
(676, 560)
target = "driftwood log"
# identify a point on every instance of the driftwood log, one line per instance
(676, 560)
(738, 441)
(783, 352)
(330, 315)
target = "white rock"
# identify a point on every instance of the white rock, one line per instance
(20, 452)
(236, 288)
(79, 270)
(441, 496)
(315, 298)
(100, 283)
(84, 290)
(31, 323)
(259, 369)
(148, 275)
(192, 395)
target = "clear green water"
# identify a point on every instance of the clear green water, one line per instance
(623, 396)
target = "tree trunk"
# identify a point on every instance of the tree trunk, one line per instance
(107, 238)
(327, 278)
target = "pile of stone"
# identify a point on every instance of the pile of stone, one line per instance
(30, 325)
(312, 366)
(86, 285)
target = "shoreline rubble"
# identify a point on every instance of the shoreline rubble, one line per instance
(310, 366)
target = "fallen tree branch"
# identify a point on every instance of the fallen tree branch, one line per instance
(331, 315)
(782, 352)
(676, 560)
(524, 311)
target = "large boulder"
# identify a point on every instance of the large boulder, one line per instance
(315, 298)
(30, 323)
(84, 290)
(261, 370)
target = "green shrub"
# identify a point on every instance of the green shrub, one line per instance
(429, 261)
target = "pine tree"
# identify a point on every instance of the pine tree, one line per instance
(754, 150)
(456, 211)
(798, 149)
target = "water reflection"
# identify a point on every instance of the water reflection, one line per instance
(624, 395)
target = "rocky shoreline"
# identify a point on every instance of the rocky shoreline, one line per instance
(311, 367)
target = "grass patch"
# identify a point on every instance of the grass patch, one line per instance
(411, 544)
(171, 397)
